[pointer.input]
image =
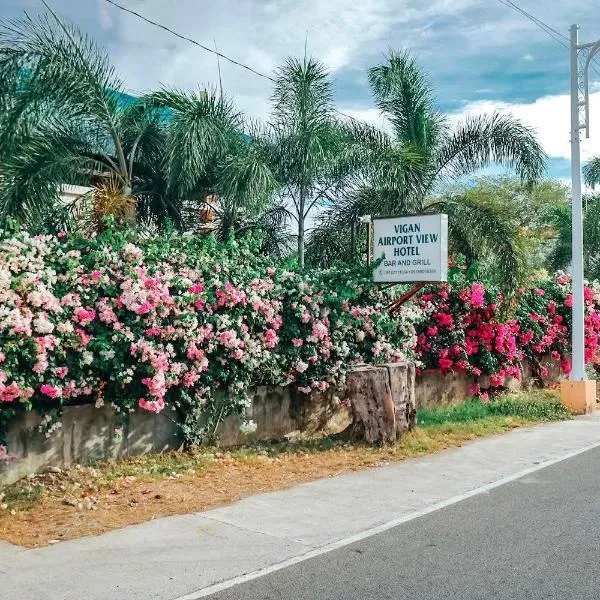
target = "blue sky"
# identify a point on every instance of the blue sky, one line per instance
(481, 55)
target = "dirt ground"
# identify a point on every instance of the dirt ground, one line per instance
(66, 504)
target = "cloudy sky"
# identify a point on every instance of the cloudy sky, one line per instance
(480, 54)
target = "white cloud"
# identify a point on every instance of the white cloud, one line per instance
(369, 115)
(550, 117)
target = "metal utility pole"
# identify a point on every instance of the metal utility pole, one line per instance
(580, 113)
(578, 334)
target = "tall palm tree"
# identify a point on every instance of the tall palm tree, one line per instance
(404, 95)
(313, 153)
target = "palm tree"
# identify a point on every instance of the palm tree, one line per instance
(440, 154)
(560, 218)
(64, 118)
(591, 172)
(313, 153)
(209, 162)
(63, 121)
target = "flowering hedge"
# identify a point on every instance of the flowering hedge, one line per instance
(169, 321)
(463, 330)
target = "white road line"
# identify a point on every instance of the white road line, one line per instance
(367, 533)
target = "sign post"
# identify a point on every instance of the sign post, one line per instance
(414, 249)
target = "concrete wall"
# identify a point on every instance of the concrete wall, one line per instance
(432, 387)
(87, 433)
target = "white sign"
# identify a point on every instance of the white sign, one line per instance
(414, 248)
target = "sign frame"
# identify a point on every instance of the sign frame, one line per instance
(441, 255)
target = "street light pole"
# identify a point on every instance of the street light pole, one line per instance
(578, 393)
(578, 326)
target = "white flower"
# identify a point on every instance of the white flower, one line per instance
(66, 327)
(42, 325)
(301, 366)
(107, 354)
(248, 427)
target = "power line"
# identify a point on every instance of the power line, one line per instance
(553, 33)
(187, 39)
(218, 54)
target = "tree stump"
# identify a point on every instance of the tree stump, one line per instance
(382, 400)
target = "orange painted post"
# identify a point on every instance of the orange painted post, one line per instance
(578, 396)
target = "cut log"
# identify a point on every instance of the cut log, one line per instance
(382, 400)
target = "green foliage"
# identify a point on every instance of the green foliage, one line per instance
(534, 406)
(425, 153)
(63, 120)
(503, 207)
(591, 172)
(559, 217)
(311, 151)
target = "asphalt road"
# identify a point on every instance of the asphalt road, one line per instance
(538, 537)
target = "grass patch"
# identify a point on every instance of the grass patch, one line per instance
(90, 500)
(535, 406)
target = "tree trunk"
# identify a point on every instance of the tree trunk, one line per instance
(382, 400)
(301, 230)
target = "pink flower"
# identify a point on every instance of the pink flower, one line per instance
(270, 338)
(443, 319)
(485, 397)
(319, 330)
(154, 406)
(50, 391)
(569, 301)
(432, 331)
(61, 372)
(474, 389)
(144, 308)
(445, 364)
(297, 342)
(83, 316)
(301, 366)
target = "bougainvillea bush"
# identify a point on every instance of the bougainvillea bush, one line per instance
(168, 321)
(464, 331)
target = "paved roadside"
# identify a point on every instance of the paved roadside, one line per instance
(535, 538)
(177, 557)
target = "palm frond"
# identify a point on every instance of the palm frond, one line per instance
(60, 66)
(481, 230)
(483, 140)
(202, 128)
(591, 172)
(404, 94)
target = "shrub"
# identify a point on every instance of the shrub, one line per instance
(463, 329)
(169, 321)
